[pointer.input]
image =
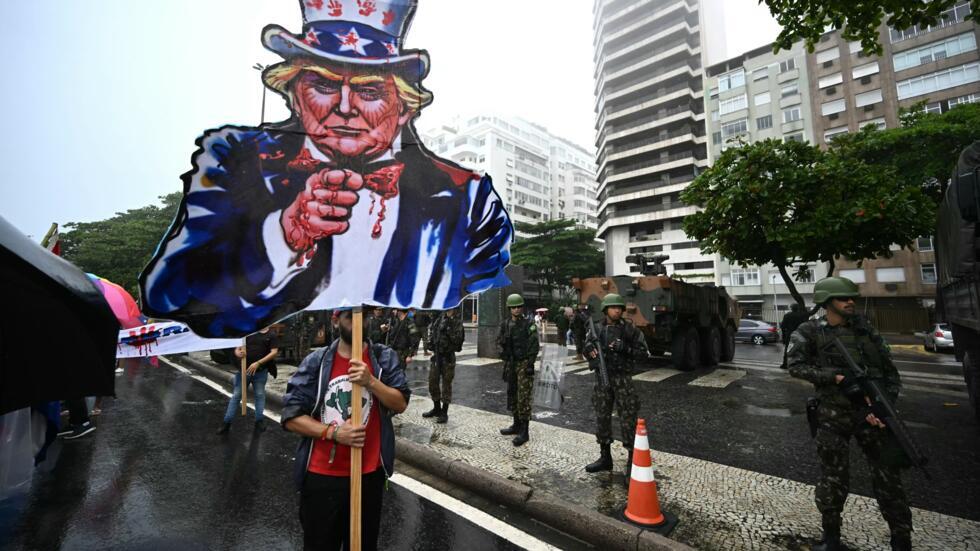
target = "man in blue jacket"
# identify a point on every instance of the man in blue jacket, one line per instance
(317, 406)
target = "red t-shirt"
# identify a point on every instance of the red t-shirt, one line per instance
(337, 408)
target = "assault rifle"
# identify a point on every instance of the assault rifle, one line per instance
(592, 338)
(881, 406)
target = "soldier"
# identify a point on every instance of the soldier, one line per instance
(401, 336)
(579, 328)
(791, 321)
(374, 325)
(517, 343)
(621, 344)
(839, 416)
(445, 339)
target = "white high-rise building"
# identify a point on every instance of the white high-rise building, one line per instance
(651, 140)
(540, 176)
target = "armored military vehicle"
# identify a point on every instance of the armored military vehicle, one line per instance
(695, 323)
(958, 263)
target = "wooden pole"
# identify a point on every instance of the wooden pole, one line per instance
(244, 386)
(355, 453)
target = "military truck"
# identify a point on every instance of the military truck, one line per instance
(695, 323)
(958, 266)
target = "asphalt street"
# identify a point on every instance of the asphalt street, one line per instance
(155, 476)
(753, 418)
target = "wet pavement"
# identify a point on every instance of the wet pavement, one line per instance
(155, 476)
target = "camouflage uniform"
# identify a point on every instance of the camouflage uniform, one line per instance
(839, 419)
(579, 328)
(401, 336)
(517, 343)
(445, 339)
(622, 344)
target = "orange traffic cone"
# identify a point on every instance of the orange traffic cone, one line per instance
(643, 504)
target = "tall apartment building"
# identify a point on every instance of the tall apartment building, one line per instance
(650, 129)
(538, 175)
(755, 96)
(938, 64)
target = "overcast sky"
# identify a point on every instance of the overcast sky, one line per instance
(103, 99)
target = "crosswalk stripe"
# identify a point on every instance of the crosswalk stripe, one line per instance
(657, 375)
(719, 378)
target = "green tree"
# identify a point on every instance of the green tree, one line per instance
(858, 19)
(556, 251)
(793, 203)
(923, 151)
(117, 248)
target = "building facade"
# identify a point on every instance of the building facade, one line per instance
(650, 130)
(938, 65)
(756, 96)
(539, 176)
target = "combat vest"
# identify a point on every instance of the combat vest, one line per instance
(617, 361)
(856, 337)
(516, 339)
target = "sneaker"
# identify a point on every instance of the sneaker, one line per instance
(80, 430)
(65, 430)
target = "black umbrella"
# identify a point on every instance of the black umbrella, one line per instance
(57, 333)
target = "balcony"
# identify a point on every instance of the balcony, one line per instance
(679, 10)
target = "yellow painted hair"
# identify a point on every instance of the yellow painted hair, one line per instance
(281, 75)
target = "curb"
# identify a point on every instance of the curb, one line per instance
(585, 524)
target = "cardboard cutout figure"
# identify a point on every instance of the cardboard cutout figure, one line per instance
(340, 205)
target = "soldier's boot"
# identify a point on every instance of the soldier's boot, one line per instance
(901, 542)
(436, 409)
(604, 463)
(522, 436)
(513, 429)
(831, 533)
(443, 416)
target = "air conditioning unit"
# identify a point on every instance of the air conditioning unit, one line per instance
(832, 116)
(866, 79)
(832, 90)
(869, 107)
(828, 63)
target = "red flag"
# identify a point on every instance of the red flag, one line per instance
(52, 241)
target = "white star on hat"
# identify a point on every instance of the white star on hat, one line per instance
(352, 42)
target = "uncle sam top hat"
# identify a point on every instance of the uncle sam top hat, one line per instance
(352, 32)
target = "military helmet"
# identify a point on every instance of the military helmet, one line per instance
(834, 287)
(515, 300)
(612, 299)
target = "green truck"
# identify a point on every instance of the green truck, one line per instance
(958, 266)
(696, 324)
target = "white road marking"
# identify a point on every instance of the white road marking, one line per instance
(216, 386)
(657, 375)
(477, 361)
(935, 390)
(719, 378)
(483, 520)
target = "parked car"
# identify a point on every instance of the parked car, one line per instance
(938, 337)
(756, 332)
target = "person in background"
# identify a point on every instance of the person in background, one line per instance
(260, 353)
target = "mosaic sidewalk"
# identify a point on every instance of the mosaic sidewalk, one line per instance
(721, 507)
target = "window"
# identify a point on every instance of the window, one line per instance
(857, 276)
(762, 123)
(734, 128)
(949, 17)
(829, 54)
(890, 275)
(928, 272)
(762, 99)
(868, 98)
(879, 122)
(834, 132)
(935, 51)
(831, 107)
(729, 81)
(713, 92)
(923, 244)
(789, 90)
(788, 65)
(730, 105)
(969, 98)
(940, 80)
(798, 137)
(714, 115)
(792, 114)
(760, 74)
(854, 47)
(830, 80)
(716, 138)
(745, 276)
(864, 70)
